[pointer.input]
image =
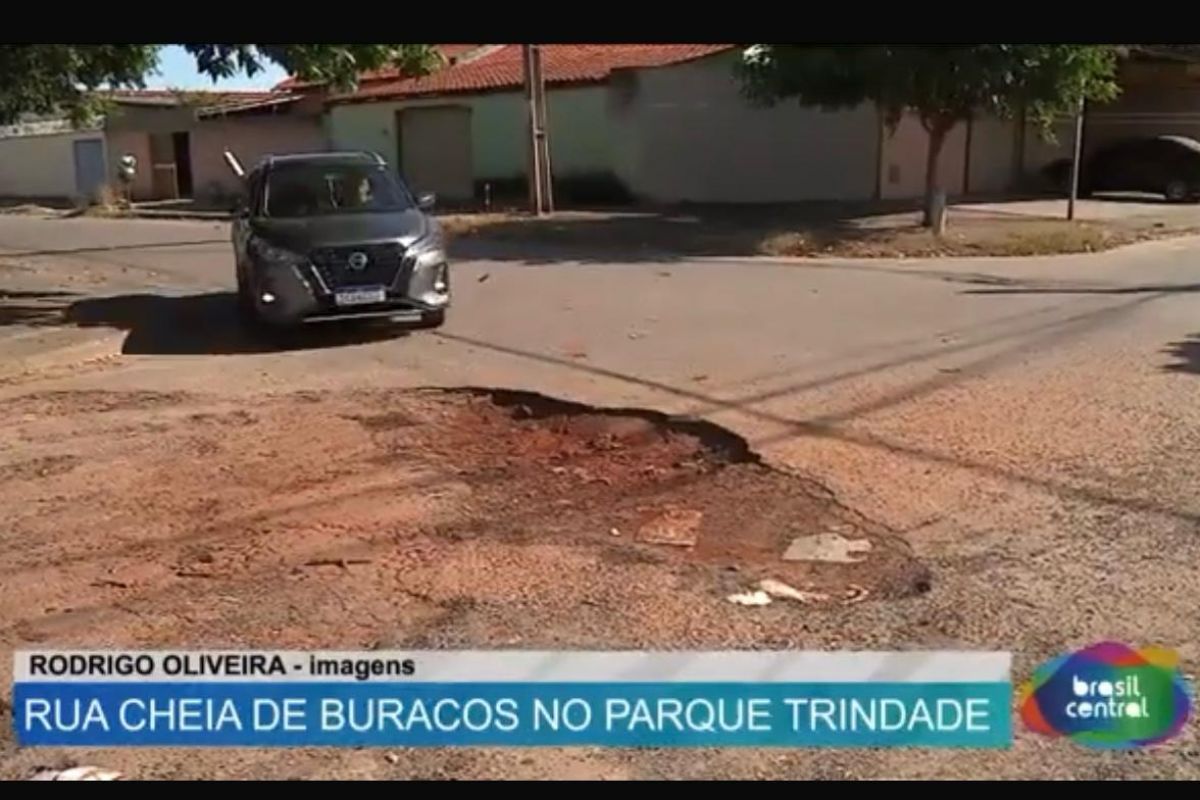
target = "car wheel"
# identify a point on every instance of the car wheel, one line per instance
(1176, 191)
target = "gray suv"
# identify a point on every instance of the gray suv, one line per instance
(335, 236)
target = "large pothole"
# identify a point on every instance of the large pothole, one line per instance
(644, 485)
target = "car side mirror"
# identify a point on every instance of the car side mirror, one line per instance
(426, 201)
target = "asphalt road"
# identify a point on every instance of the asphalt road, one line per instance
(1031, 424)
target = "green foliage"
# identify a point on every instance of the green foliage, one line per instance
(61, 78)
(942, 84)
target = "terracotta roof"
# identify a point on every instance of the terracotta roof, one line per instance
(228, 107)
(561, 63)
(451, 52)
(175, 97)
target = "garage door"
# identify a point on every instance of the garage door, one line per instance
(435, 150)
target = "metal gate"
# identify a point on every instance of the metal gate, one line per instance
(89, 166)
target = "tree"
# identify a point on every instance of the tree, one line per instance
(62, 78)
(942, 84)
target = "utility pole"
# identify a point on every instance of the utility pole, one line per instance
(1075, 158)
(540, 196)
(543, 131)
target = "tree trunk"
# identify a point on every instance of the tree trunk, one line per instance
(937, 137)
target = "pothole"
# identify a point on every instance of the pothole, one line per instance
(645, 485)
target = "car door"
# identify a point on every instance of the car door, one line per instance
(1120, 167)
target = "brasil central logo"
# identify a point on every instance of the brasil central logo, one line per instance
(1108, 695)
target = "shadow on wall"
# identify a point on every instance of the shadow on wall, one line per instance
(207, 324)
(1186, 354)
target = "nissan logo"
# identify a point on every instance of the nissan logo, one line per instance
(357, 261)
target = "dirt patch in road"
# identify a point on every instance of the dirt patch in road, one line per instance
(401, 519)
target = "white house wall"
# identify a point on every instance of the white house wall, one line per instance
(40, 165)
(580, 137)
(685, 133)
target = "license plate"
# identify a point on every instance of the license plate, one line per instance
(360, 297)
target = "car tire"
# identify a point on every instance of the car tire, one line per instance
(431, 320)
(1177, 191)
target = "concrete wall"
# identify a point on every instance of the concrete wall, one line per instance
(250, 138)
(1041, 150)
(993, 152)
(40, 166)
(579, 132)
(905, 153)
(685, 133)
(150, 119)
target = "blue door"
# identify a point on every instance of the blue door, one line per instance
(89, 166)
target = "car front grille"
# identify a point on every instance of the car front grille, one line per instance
(384, 262)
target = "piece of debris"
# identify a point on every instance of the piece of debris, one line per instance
(77, 774)
(756, 598)
(483, 277)
(635, 334)
(192, 573)
(614, 532)
(781, 591)
(679, 527)
(391, 758)
(827, 547)
(111, 584)
(344, 563)
(855, 594)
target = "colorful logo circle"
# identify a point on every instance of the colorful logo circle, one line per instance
(1108, 695)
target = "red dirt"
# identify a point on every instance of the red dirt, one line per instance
(393, 519)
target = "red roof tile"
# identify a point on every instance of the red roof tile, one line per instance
(561, 63)
(450, 52)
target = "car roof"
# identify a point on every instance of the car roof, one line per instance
(1186, 142)
(324, 157)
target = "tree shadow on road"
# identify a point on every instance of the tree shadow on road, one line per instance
(208, 324)
(1186, 353)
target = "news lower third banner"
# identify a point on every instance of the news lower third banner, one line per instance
(512, 698)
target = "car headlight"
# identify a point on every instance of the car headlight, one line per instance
(274, 255)
(430, 258)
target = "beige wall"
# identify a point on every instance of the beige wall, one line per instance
(580, 137)
(250, 138)
(40, 166)
(685, 133)
(150, 119)
(993, 151)
(1041, 150)
(905, 153)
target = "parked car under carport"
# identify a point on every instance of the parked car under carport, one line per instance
(1166, 165)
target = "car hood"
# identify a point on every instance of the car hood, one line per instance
(307, 233)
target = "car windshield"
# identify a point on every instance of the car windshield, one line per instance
(313, 189)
